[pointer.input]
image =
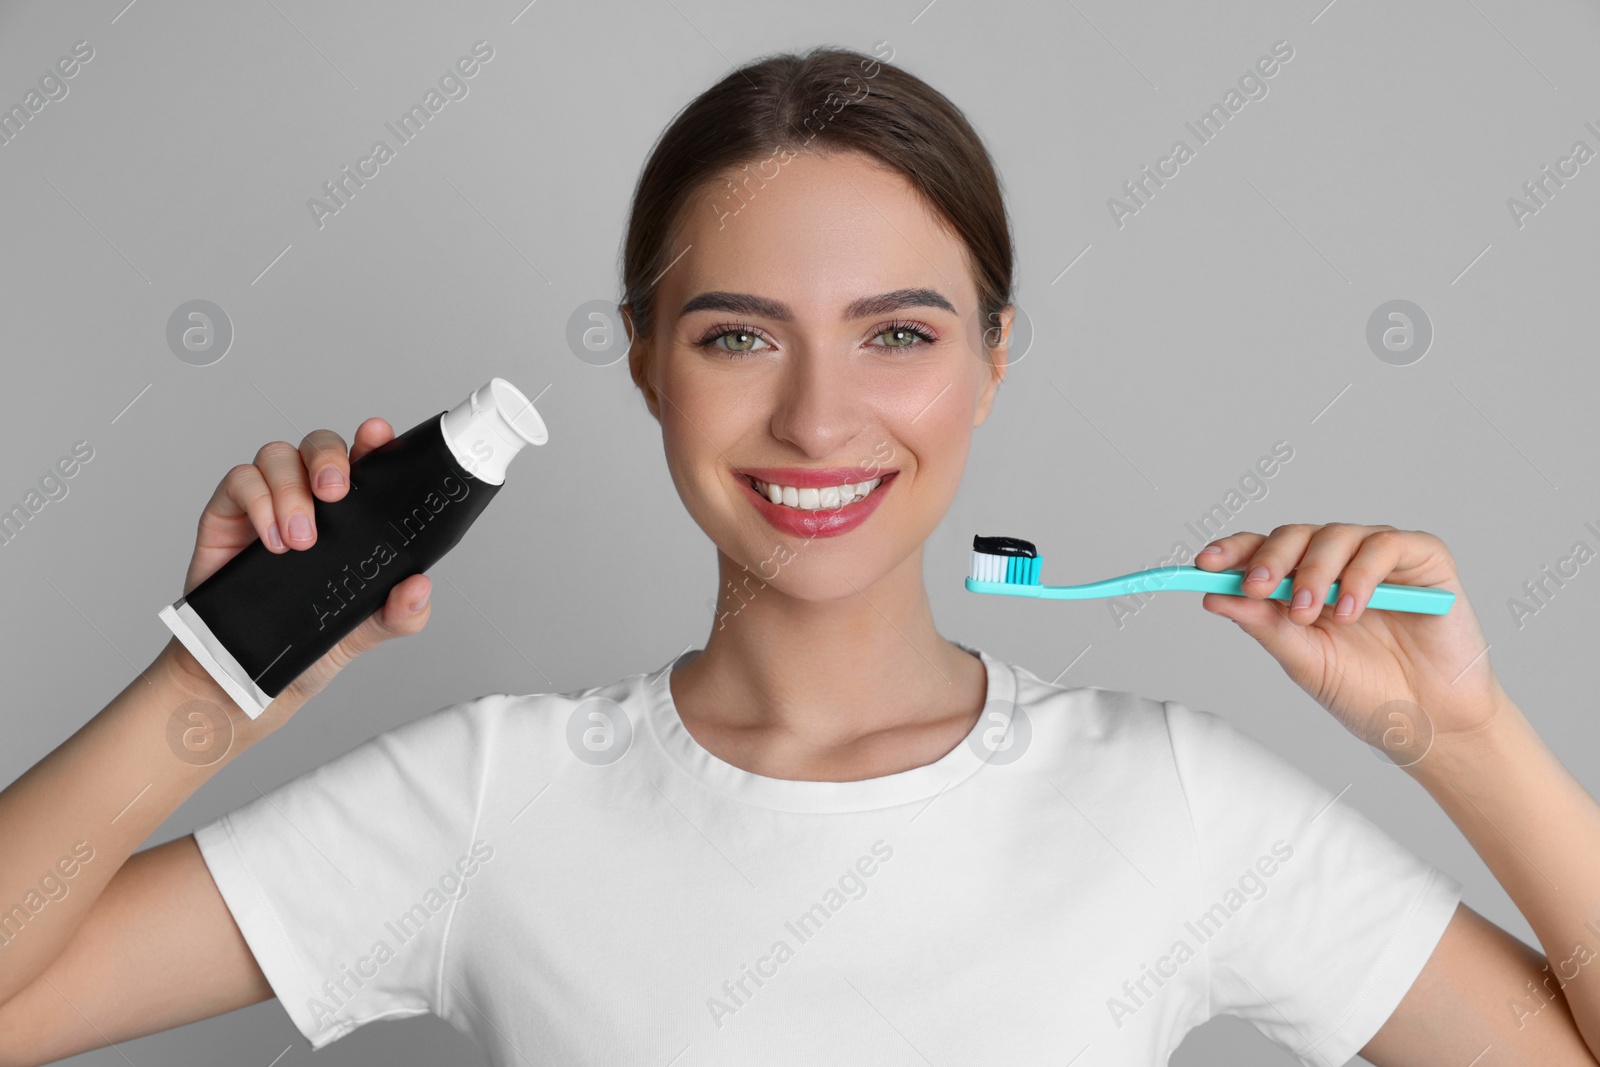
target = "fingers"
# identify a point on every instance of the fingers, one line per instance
(243, 491)
(1330, 549)
(323, 453)
(1375, 560)
(370, 435)
(1275, 558)
(276, 491)
(294, 525)
(1357, 557)
(1230, 550)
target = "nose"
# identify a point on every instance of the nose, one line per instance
(819, 408)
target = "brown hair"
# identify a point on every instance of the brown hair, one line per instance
(826, 99)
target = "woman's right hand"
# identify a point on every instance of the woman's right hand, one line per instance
(122, 775)
(271, 500)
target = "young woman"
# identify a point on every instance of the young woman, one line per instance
(830, 834)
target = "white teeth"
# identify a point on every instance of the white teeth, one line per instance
(813, 499)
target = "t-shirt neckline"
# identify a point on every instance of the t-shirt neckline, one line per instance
(785, 794)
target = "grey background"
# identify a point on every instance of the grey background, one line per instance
(1228, 314)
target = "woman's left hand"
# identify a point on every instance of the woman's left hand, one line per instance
(1371, 669)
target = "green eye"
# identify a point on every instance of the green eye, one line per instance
(738, 341)
(735, 340)
(903, 335)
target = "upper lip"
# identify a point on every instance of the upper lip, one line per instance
(812, 477)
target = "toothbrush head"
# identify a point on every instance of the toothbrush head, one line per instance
(1004, 559)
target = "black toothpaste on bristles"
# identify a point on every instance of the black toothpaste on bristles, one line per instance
(1004, 559)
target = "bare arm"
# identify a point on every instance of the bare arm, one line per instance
(94, 947)
(158, 949)
(1484, 992)
(1391, 677)
(89, 804)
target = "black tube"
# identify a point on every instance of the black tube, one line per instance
(410, 501)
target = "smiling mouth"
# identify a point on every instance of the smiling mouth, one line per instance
(814, 499)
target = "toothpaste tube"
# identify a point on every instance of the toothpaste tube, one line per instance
(263, 618)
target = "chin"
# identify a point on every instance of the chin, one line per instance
(824, 568)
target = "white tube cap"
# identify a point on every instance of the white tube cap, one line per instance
(490, 427)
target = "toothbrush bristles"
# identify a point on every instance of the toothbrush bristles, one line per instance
(1015, 570)
(1010, 560)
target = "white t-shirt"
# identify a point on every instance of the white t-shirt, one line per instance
(572, 879)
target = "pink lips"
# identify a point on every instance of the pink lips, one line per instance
(823, 522)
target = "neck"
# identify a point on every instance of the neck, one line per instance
(835, 669)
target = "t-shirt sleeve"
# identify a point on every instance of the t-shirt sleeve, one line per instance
(1314, 920)
(345, 880)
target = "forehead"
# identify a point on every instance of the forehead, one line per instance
(816, 232)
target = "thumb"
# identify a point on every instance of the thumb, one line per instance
(397, 618)
(1265, 620)
(400, 616)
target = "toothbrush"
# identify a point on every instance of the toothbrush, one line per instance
(1009, 566)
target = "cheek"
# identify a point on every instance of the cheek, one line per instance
(703, 419)
(941, 446)
(683, 405)
(716, 407)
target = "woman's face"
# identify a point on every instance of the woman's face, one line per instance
(821, 332)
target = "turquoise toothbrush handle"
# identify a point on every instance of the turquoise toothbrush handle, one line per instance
(1417, 599)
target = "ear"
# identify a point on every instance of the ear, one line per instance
(994, 370)
(639, 362)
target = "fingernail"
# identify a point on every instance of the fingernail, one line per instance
(1210, 548)
(274, 540)
(300, 528)
(1258, 574)
(1302, 599)
(421, 602)
(330, 478)
(1347, 604)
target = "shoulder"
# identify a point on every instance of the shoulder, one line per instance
(1161, 749)
(1092, 715)
(1100, 745)
(529, 726)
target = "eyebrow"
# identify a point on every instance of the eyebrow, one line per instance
(750, 304)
